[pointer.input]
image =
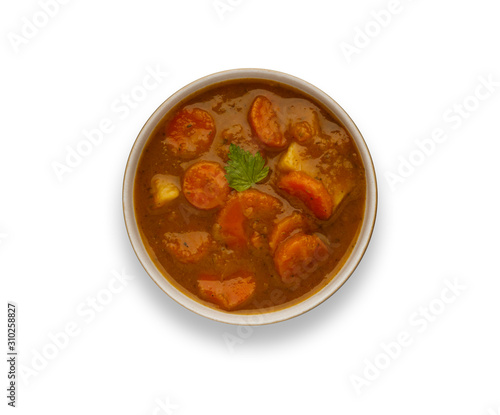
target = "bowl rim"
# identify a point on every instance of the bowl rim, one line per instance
(251, 317)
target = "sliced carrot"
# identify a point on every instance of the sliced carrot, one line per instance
(205, 185)
(299, 256)
(250, 205)
(310, 191)
(265, 123)
(230, 221)
(190, 132)
(259, 205)
(228, 293)
(189, 247)
(285, 227)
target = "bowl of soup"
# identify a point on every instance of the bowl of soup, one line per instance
(249, 196)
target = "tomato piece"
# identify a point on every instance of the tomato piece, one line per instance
(242, 207)
(299, 256)
(285, 227)
(265, 123)
(228, 293)
(310, 191)
(189, 247)
(205, 185)
(190, 132)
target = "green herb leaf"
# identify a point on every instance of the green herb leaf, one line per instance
(244, 169)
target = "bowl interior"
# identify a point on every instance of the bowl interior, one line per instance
(255, 317)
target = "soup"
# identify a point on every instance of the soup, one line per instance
(250, 195)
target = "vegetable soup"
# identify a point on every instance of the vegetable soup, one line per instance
(250, 195)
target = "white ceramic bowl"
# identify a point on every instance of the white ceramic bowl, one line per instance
(167, 284)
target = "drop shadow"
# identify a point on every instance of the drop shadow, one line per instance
(325, 316)
(177, 316)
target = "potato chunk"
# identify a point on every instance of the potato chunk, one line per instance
(163, 190)
(292, 159)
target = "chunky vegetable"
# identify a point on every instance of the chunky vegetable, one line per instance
(310, 191)
(296, 222)
(291, 160)
(163, 190)
(190, 133)
(241, 208)
(228, 293)
(189, 247)
(205, 186)
(266, 124)
(299, 256)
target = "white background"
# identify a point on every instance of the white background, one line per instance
(62, 241)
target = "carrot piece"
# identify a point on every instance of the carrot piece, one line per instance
(231, 220)
(190, 132)
(310, 191)
(228, 293)
(265, 123)
(285, 227)
(205, 185)
(299, 256)
(259, 205)
(189, 247)
(242, 207)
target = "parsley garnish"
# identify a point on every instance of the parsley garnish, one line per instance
(244, 169)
